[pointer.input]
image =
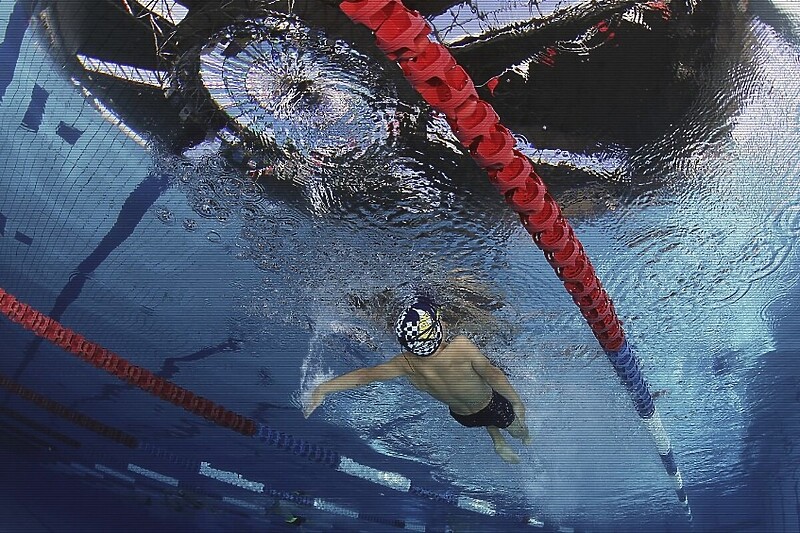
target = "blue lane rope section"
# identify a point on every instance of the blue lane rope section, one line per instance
(629, 369)
(289, 443)
(300, 447)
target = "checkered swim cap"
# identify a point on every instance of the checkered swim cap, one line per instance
(419, 330)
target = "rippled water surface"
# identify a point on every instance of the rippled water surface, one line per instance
(694, 234)
(691, 248)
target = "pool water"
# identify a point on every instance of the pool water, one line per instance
(249, 293)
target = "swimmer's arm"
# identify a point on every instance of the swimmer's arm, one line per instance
(497, 380)
(391, 369)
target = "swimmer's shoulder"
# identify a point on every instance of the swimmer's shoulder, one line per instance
(396, 366)
(460, 341)
(462, 346)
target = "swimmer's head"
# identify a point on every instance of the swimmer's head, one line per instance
(419, 329)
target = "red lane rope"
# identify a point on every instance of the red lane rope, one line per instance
(94, 354)
(403, 35)
(64, 412)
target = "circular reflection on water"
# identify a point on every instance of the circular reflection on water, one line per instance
(294, 89)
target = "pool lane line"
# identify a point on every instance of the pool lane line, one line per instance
(12, 42)
(133, 209)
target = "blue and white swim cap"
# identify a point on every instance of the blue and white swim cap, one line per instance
(418, 328)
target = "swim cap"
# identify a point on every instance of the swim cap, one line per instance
(418, 328)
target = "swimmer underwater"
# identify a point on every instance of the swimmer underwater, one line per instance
(455, 373)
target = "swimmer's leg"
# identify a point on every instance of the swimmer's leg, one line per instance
(519, 430)
(501, 446)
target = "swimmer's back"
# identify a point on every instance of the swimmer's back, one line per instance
(449, 376)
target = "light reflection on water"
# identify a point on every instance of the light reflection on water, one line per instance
(692, 251)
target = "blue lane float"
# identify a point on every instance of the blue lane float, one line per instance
(629, 369)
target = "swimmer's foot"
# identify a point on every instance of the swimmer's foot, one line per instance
(506, 453)
(526, 436)
(519, 430)
(501, 446)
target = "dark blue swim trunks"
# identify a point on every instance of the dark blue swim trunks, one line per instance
(499, 413)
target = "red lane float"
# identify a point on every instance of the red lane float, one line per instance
(96, 355)
(403, 35)
(67, 413)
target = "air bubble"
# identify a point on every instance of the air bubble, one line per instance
(207, 208)
(165, 215)
(189, 224)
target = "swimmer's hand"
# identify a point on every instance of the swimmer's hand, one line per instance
(317, 397)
